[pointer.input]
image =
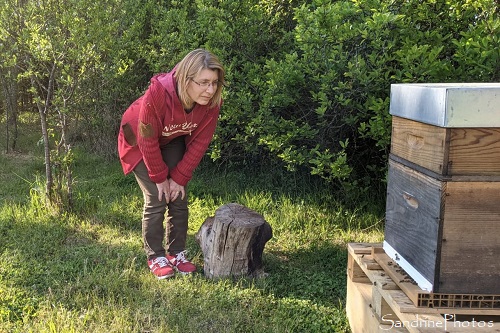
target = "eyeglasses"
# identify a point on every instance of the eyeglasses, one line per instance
(205, 84)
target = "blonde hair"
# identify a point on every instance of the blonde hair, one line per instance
(189, 67)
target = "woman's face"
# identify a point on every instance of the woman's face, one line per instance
(202, 88)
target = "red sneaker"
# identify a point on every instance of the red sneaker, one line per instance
(160, 266)
(180, 262)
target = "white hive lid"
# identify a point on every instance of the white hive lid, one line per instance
(448, 104)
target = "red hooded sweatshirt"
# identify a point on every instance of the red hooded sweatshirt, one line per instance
(162, 118)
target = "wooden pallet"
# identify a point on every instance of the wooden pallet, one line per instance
(469, 303)
(377, 303)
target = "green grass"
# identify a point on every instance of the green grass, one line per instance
(86, 271)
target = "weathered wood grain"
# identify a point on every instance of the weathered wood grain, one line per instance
(420, 143)
(449, 231)
(447, 151)
(233, 242)
(470, 252)
(414, 210)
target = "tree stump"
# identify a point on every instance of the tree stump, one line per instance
(233, 241)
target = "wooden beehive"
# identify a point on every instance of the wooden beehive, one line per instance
(449, 231)
(443, 196)
(448, 152)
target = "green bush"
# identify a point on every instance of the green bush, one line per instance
(308, 81)
(323, 103)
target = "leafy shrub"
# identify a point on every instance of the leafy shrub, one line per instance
(308, 81)
(323, 104)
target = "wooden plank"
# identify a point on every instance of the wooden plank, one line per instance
(360, 313)
(380, 306)
(470, 252)
(421, 169)
(413, 217)
(474, 151)
(363, 319)
(405, 283)
(424, 144)
(452, 178)
(380, 310)
(385, 282)
(447, 151)
(362, 248)
(369, 263)
(447, 231)
(362, 257)
(354, 271)
(408, 299)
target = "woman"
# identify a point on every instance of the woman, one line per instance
(163, 137)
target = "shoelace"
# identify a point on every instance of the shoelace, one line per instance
(181, 257)
(161, 261)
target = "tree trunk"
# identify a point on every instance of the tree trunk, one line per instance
(43, 110)
(9, 92)
(233, 242)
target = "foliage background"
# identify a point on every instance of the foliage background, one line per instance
(309, 87)
(309, 81)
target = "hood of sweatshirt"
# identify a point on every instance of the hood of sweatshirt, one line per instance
(167, 80)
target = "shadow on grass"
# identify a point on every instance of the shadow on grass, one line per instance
(316, 274)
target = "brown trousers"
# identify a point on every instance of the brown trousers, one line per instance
(154, 232)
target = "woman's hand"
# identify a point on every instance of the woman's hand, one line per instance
(163, 188)
(176, 190)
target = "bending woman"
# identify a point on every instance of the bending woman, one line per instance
(163, 137)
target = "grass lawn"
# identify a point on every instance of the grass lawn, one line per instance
(86, 271)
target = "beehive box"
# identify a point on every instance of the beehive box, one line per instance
(443, 196)
(445, 234)
(472, 153)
